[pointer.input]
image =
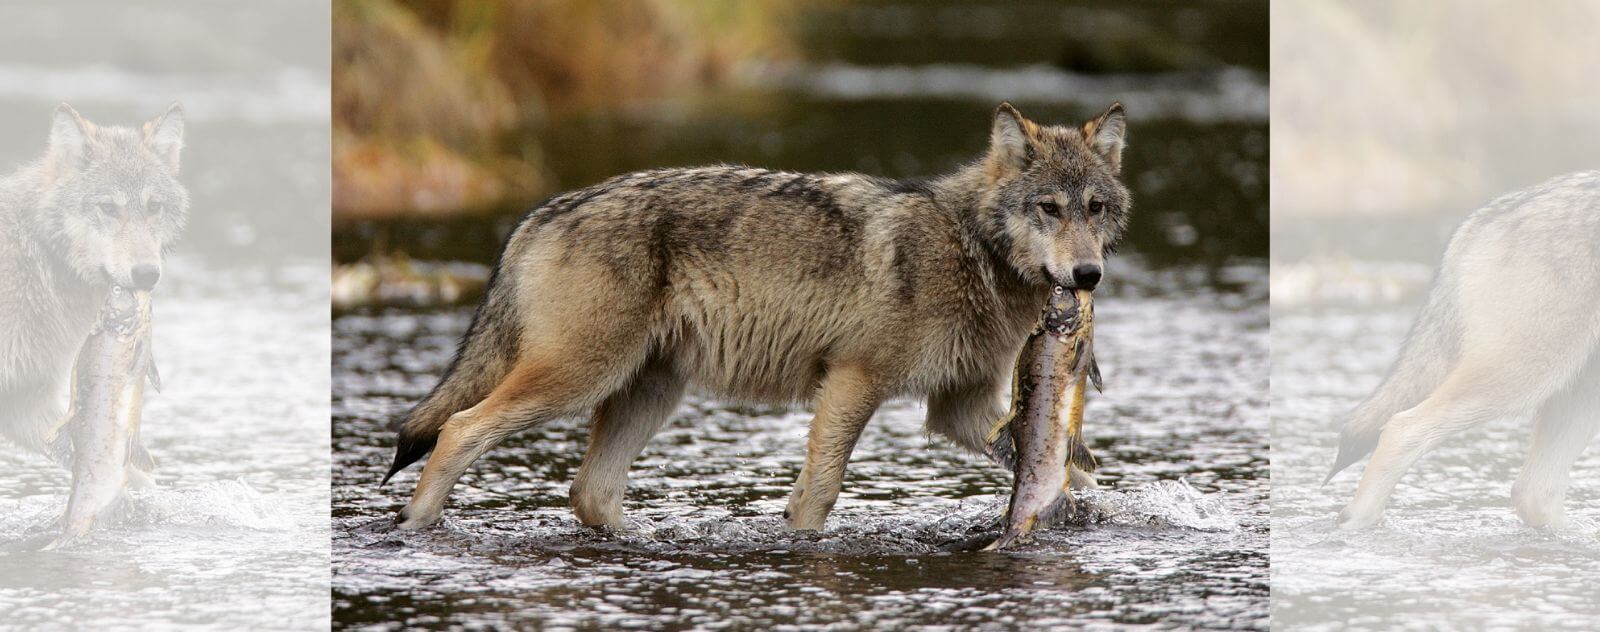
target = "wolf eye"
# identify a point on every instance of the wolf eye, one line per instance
(109, 209)
(1096, 207)
(1050, 208)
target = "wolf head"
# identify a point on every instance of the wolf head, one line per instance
(1053, 196)
(111, 199)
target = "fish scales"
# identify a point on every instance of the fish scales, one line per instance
(103, 419)
(1042, 435)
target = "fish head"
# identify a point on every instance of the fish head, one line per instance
(124, 310)
(1056, 195)
(1067, 311)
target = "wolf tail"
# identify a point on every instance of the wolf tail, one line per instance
(1429, 352)
(486, 354)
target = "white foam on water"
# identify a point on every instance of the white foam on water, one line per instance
(232, 504)
(219, 504)
(1161, 504)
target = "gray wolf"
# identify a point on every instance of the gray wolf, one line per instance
(838, 290)
(1510, 329)
(100, 208)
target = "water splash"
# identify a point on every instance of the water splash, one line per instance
(221, 504)
(1161, 504)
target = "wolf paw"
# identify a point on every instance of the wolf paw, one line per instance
(1351, 518)
(1542, 513)
(410, 519)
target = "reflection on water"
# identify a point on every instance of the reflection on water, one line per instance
(1199, 189)
(1178, 536)
(1449, 552)
(236, 534)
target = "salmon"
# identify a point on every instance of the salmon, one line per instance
(1042, 436)
(102, 423)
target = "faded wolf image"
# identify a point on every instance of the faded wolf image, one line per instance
(838, 290)
(1510, 329)
(94, 214)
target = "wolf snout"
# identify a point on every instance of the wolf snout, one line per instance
(145, 276)
(1085, 276)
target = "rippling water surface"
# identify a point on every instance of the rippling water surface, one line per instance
(235, 535)
(1450, 552)
(1177, 536)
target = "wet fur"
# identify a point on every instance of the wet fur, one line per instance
(835, 290)
(59, 252)
(1510, 329)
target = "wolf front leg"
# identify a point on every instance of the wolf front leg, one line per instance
(847, 399)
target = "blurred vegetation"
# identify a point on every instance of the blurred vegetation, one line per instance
(1408, 108)
(451, 116)
(424, 89)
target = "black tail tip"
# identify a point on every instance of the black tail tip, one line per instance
(407, 450)
(1352, 447)
(1344, 460)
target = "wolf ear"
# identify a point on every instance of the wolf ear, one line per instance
(164, 135)
(1008, 139)
(1107, 135)
(69, 136)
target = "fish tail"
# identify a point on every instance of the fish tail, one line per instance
(1012, 535)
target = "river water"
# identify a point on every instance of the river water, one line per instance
(235, 534)
(1178, 536)
(1449, 552)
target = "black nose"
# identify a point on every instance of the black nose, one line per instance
(1086, 276)
(146, 275)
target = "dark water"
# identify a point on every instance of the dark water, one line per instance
(235, 535)
(1176, 538)
(1449, 552)
(1199, 188)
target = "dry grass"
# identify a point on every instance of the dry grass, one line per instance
(425, 89)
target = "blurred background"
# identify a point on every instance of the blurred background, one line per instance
(235, 536)
(1391, 123)
(453, 117)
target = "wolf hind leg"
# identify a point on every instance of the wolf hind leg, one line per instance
(1477, 390)
(536, 391)
(623, 424)
(1563, 428)
(846, 401)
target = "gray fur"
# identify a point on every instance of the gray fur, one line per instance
(835, 290)
(1510, 328)
(101, 201)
